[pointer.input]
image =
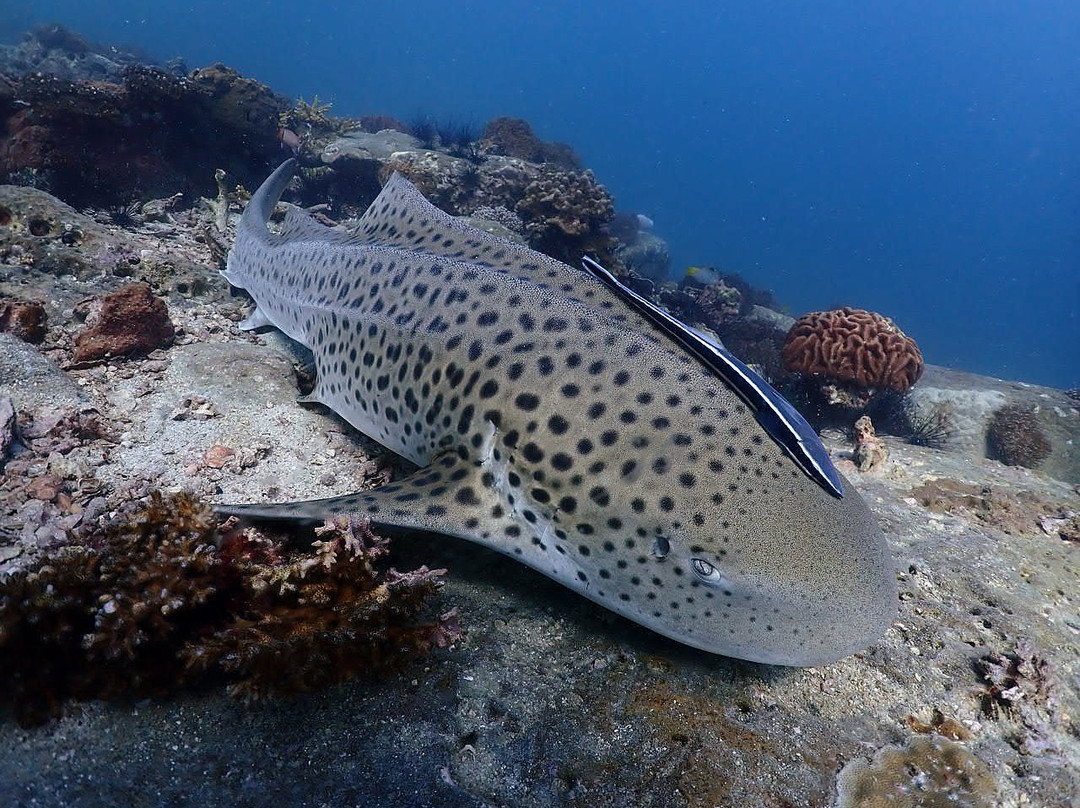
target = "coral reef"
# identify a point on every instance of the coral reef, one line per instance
(927, 772)
(157, 599)
(22, 318)
(1015, 438)
(514, 137)
(853, 346)
(149, 133)
(870, 451)
(55, 50)
(756, 342)
(565, 213)
(647, 255)
(130, 322)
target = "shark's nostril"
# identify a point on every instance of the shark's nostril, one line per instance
(661, 547)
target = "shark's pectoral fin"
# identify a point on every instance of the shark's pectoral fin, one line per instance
(449, 496)
(257, 319)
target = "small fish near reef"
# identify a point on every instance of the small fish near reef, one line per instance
(572, 425)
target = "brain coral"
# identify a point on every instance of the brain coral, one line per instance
(853, 345)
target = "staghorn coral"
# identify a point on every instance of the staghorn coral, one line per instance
(853, 346)
(1015, 438)
(150, 603)
(565, 213)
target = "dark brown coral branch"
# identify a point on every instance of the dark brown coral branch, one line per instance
(159, 600)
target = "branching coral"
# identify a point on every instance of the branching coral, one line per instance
(151, 603)
(1015, 438)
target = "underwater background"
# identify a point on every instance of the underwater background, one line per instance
(915, 158)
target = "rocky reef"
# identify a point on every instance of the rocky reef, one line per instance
(149, 615)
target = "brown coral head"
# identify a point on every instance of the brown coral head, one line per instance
(853, 345)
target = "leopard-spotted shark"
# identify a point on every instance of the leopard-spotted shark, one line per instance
(570, 424)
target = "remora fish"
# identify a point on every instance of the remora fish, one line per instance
(564, 424)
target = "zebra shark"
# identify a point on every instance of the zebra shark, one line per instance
(570, 426)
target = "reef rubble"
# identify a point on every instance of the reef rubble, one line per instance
(548, 699)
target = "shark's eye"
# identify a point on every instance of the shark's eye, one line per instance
(661, 547)
(706, 571)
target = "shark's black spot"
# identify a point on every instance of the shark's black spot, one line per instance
(561, 461)
(558, 425)
(568, 504)
(554, 325)
(466, 496)
(527, 401)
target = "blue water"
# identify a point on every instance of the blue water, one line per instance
(920, 159)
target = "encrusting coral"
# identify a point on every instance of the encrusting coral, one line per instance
(926, 772)
(1015, 438)
(160, 599)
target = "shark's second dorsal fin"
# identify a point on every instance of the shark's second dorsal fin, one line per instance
(300, 225)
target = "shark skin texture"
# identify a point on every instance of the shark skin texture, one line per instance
(560, 425)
